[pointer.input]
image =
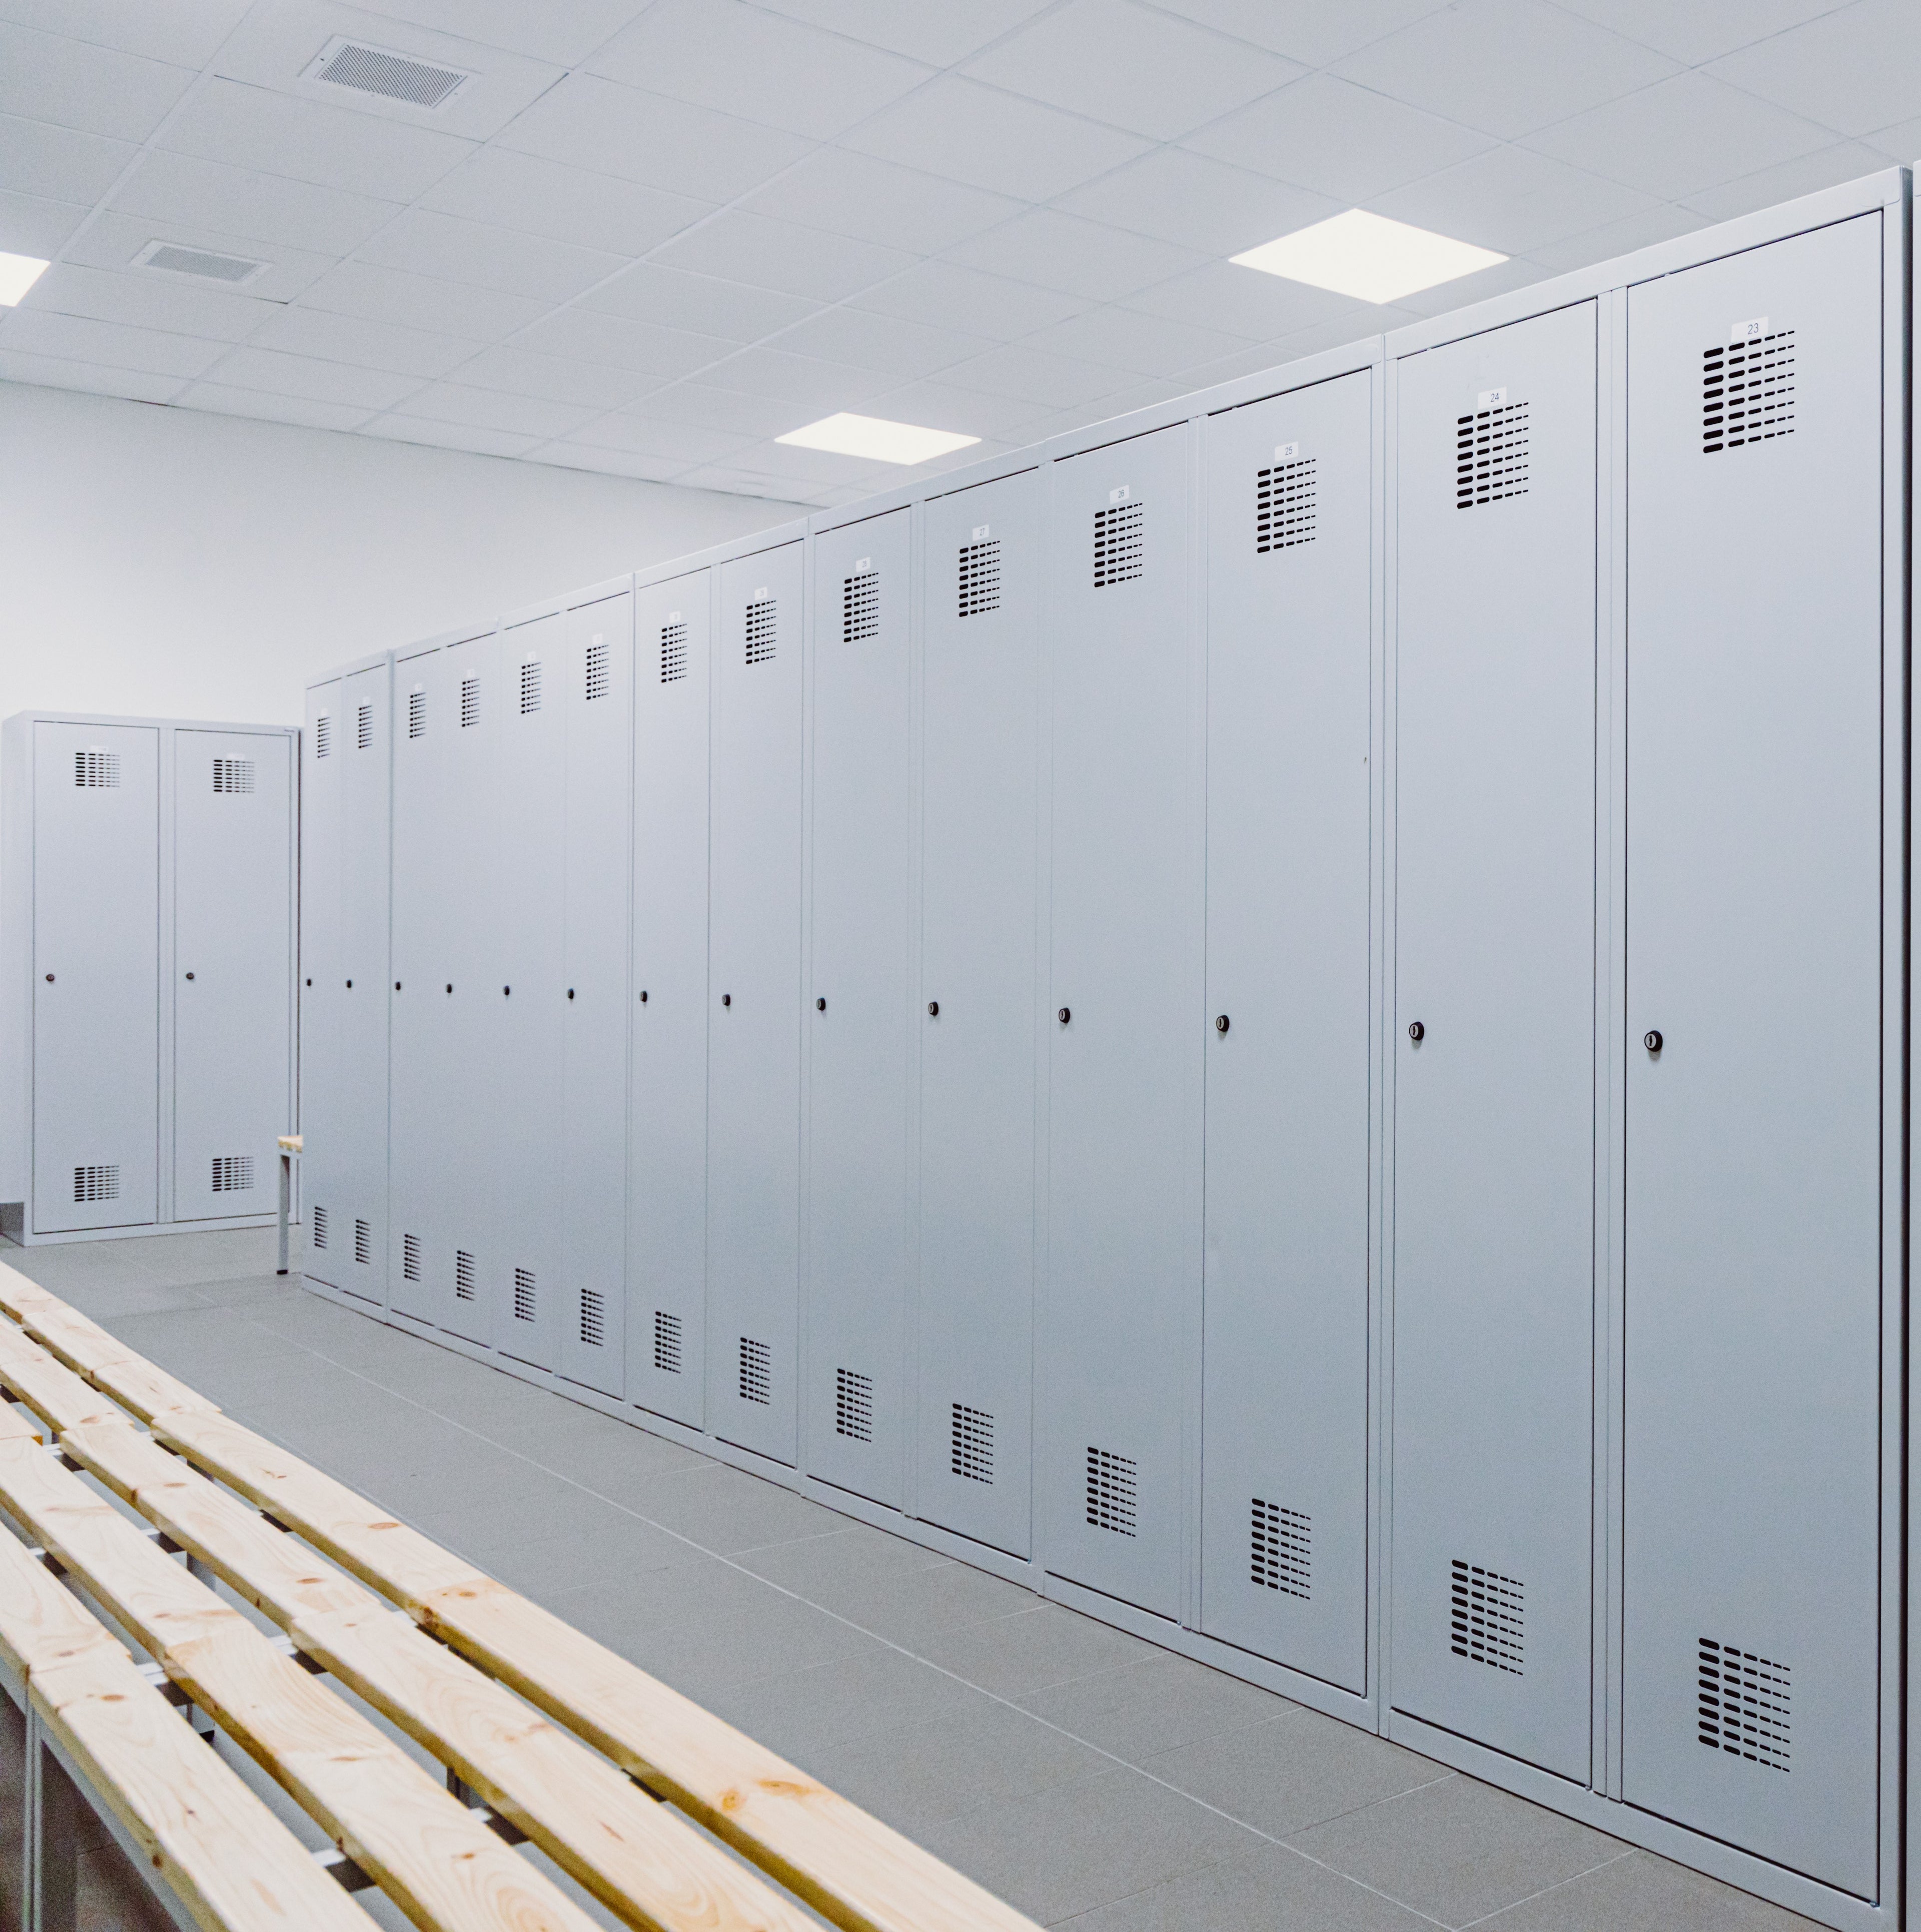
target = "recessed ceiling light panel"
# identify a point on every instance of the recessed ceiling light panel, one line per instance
(878, 440)
(365, 69)
(1368, 257)
(18, 274)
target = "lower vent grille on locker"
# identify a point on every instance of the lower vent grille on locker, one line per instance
(1743, 1704)
(410, 1258)
(363, 1244)
(363, 728)
(673, 653)
(97, 1183)
(1747, 392)
(971, 1453)
(1111, 1491)
(319, 1227)
(756, 1361)
(1488, 1619)
(323, 735)
(593, 1318)
(1283, 505)
(600, 671)
(980, 576)
(854, 1405)
(469, 703)
(1117, 549)
(860, 607)
(464, 1275)
(760, 628)
(233, 1173)
(416, 714)
(1489, 455)
(530, 686)
(666, 1343)
(1282, 1550)
(97, 770)
(233, 775)
(525, 1307)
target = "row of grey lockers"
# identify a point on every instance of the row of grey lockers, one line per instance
(1286, 1017)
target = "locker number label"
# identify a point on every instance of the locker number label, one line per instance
(1748, 331)
(863, 563)
(1490, 399)
(1286, 452)
(761, 592)
(1119, 495)
(980, 531)
(673, 616)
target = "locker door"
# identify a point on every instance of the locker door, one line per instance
(1755, 789)
(366, 854)
(857, 1259)
(1124, 1211)
(1284, 1425)
(598, 691)
(528, 898)
(96, 976)
(980, 862)
(754, 1006)
(667, 1180)
(233, 932)
(419, 1272)
(324, 1185)
(1493, 1238)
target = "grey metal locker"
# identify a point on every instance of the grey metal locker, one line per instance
(233, 945)
(526, 898)
(753, 1125)
(858, 1259)
(1291, 549)
(96, 976)
(980, 883)
(326, 1181)
(597, 681)
(1756, 942)
(1123, 1293)
(667, 1175)
(1492, 1051)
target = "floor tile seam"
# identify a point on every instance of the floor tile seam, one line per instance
(1573, 1878)
(1374, 1803)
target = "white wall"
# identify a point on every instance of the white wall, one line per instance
(179, 564)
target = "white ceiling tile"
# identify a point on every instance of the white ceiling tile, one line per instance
(471, 437)
(1900, 142)
(589, 122)
(278, 373)
(678, 444)
(494, 408)
(707, 408)
(1506, 66)
(1660, 224)
(742, 483)
(744, 60)
(307, 411)
(1681, 136)
(1521, 272)
(250, 127)
(267, 208)
(890, 345)
(993, 140)
(146, 301)
(1250, 361)
(1807, 174)
(1341, 331)
(569, 453)
(30, 224)
(788, 462)
(818, 387)
(1142, 345)
(846, 193)
(1193, 200)
(59, 163)
(1853, 70)
(944, 295)
(1338, 140)
(54, 372)
(940, 405)
(420, 301)
(553, 379)
(1694, 30)
(185, 32)
(423, 242)
(781, 255)
(699, 304)
(940, 35)
(569, 204)
(72, 84)
(591, 335)
(1131, 68)
(1056, 250)
(112, 241)
(1243, 301)
(1030, 375)
(1512, 200)
(1308, 31)
(76, 338)
(373, 345)
(564, 30)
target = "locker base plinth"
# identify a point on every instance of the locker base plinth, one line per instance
(28, 1238)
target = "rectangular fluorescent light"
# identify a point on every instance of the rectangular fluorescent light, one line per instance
(18, 274)
(880, 441)
(1368, 257)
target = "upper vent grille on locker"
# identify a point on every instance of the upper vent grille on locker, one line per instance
(1117, 545)
(319, 1227)
(593, 1318)
(97, 1183)
(756, 1371)
(1747, 392)
(363, 1244)
(972, 1451)
(1282, 1550)
(97, 769)
(760, 629)
(416, 714)
(980, 576)
(860, 607)
(666, 1343)
(364, 729)
(469, 702)
(410, 1257)
(1489, 455)
(1742, 1703)
(673, 652)
(530, 686)
(465, 1276)
(854, 1404)
(1111, 1492)
(1487, 1621)
(232, 1172)
(369, 70)
(600, 671)
(204, 264)
(525, 1290)
(234, 775)
(1283, 505)
(323, 735)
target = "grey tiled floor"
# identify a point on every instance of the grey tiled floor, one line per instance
(1094, 1781)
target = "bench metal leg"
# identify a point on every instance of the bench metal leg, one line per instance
(53, 1810)
(286, 1204)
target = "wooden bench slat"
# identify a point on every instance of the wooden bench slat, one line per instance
(88, 1349)
(54, 1392)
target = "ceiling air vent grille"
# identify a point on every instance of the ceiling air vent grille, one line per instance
(416, 714)
(97, 1183)
(203, 265)
(1490, 454)
(323, 736)
(97, 771)
(233, 775)
(760, 631)
(860, 607)
(1111, 1491)
(1487, 1622)
(1281, 1552)
(673, 652)
(465, 1275)
(980, 576)
(1283, 505)
(363, 1244)
(370, 70)
(1742, 1702)
(526, 1291)
(854, 1405)
(971, 1454)
(363, 735)
(319, 1227)
(530, 686)
(593, 1318)
(469, 703)
(233, 1173)
(600, 671)
(666, 1343)
(1747, 389)
(1117, 551)
(757, 1362)
(410, 1257)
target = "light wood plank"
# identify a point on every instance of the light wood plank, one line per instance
(87, 1349)
(42, 1626)
(53, 1392)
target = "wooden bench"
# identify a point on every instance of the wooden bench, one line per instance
(486, 1681)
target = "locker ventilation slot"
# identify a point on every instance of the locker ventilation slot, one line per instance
(463, 1275)
(1489, 455)
(363, 1244)
(760, 631)
(971, 1454)
(756, 1371)
(97, 1183)
(666, 1343)
(980, 578)
(98, 769)
(1117, 558)
(1747, 392)
(1281, 1553)
(416, 714)
(593, 1318)
(1111, 1492)
(233, 775)
(319, 1227)
(854, 1404)
(530, 687)
(410, 1257)
(1487, 1617)
(323, 735)
(860, 607)
(232, 1172)
(363, 728)
(1283, 505)
(524, 1290)
(469, 702)
(600, 672)
(1743, 1705)
(673, 653)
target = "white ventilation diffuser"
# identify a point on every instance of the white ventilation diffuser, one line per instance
(199, 264)
(387, 76)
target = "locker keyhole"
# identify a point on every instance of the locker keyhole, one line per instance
(1417, 1033)
(820, 1006)
(570, 992)
(450, 986)
(1652, 1041)
(727, 999)
(49, 980)
(190, 976)
(643, 998)
(1066, 1013)
(350, 986)
(505, 991)
(397, 985)
(1220, 1023)
(933, 1010)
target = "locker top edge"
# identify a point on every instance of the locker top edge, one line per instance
(20, 720)
(370, 661)
(793, 530)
